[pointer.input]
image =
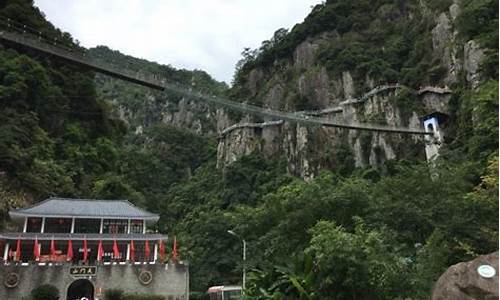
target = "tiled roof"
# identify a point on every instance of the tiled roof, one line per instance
(84, 208)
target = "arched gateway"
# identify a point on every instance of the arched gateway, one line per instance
(80, 289)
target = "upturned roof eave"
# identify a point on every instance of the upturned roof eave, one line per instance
(81, 236)
(16, 214)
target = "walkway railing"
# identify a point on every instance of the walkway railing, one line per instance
(153, 81)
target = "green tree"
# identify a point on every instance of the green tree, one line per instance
(357, 265)
(45, 292)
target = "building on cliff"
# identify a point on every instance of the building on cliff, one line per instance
(85, 247)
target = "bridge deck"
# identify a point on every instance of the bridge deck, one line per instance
(158, 83)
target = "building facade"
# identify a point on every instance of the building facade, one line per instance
(85, 247)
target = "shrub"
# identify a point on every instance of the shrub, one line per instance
(114, 294)
(45, 292)
(143, 297)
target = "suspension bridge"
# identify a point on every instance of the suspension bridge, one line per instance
(18, 35)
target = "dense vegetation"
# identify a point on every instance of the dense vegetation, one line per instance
(364, 233)
(117, 294)
(386, 40)
(348, 234)
(45, 292)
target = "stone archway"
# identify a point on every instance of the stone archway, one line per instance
(80, 289)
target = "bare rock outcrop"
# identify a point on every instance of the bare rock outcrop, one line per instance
(473, 55)
(463, 281)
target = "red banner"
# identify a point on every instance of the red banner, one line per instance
(36, 250)
(69, 251)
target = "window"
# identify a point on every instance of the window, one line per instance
(57, 225)
(113, 226)
(136, 226)
(34, 225)
(87, 225)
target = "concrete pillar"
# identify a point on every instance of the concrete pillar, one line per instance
(128, 228)
(73, 225)
(128, 252)
(6, 252)
(43, 225)
(101, 226)
(155, 255)
(25, 227)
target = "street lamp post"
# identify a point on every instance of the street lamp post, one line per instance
(244, 255)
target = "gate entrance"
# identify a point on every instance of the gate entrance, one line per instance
(81, 289)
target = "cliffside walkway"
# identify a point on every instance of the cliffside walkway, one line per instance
(249, 125)
(20, 38)
(339, 108)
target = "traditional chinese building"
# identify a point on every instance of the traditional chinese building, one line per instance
(84, 247)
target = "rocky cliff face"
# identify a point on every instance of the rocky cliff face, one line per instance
(313, 81)
(159, 107)
(141, 107)
(303, 82)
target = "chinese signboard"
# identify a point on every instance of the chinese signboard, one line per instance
(83, 271)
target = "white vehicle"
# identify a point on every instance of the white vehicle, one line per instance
(225, 292)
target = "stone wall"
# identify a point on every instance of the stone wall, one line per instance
(168, 280)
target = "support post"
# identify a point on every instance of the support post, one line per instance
(244, 256)
(73, 225)
(128, 252)
(101, 226)
(155, 256)
(143, 226)
(6, 252)
(244, 263)
(43, 225)
(25, 227)
(128, 228)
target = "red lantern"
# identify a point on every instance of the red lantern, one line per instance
(69, 251)
(36, 250)
(132, 251)
(116, 251)
(174, 250)
(100, 251)
(162, 251)
(147, 251)
(85, 250)
(18, 250)
(53, 254)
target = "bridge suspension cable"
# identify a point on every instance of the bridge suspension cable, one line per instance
(41, 44)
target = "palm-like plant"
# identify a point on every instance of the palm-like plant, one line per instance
(294, 281)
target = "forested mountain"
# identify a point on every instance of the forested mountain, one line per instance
(377, 62)
(60, 136)
(372, 220)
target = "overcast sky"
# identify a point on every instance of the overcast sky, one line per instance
(192, 34)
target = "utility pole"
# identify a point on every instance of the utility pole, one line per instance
(244, 256)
